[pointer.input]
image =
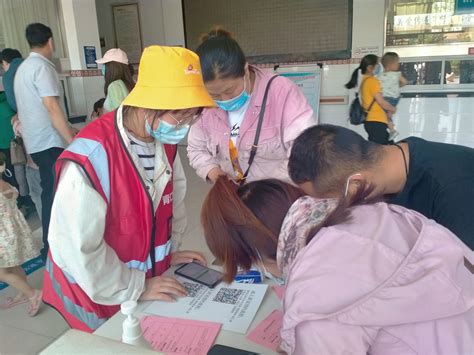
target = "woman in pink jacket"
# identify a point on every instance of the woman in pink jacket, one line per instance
(361, 278)
(221, 142)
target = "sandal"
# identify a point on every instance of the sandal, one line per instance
(35, 303)
(10, 302)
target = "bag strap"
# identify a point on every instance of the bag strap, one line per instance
(373, 101)
(253, 151)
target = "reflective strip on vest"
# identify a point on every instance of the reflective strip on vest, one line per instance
(96, 154)
(161, 252)
(89, 318)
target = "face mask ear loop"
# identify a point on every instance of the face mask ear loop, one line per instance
(346, 190)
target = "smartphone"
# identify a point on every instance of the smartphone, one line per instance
(198, 273)
(219, 349)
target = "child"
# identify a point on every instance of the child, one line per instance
(17, 246)
(391, 79)
(98, 109)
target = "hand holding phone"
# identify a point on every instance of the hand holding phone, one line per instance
(201, 274)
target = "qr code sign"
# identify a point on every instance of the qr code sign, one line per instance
(228, 295)
(192, 288)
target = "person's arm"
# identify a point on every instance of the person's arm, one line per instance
(199, 156)
(76, 238)
(402, 80)
(58, 118)
(383, 103)
(297, 113)
(328, 337)
(48, 86)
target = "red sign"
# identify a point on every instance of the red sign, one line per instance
(471, 50)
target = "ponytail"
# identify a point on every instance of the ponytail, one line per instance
(353, 82)
(369, 59)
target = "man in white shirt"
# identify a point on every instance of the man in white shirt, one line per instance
(46, 131)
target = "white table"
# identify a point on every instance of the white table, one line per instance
(77, 342)
(113, 327)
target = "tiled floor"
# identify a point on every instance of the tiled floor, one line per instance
(20, 334)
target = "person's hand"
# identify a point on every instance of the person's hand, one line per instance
(14, 119)
(162, 288)
(187, 256)
(214, 174)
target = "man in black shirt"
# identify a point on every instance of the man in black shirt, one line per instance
(435, 179)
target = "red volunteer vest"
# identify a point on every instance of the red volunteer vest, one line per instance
(139, 235)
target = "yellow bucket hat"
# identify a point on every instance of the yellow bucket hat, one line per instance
(169, 78)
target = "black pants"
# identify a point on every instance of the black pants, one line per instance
(45, 161)
(377, 132)
(8, 165)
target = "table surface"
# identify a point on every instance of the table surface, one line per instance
(112, 329)
(77, 342)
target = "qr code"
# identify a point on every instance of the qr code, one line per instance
(228, 295)
(192, 288)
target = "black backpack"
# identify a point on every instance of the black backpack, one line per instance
(357, 114)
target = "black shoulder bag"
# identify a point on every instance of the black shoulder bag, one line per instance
(253, 151)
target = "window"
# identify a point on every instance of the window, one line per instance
(15, 15)
(412, 22)
(422, 72)
(277, 31)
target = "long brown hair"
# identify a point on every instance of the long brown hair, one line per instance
(118, 71)
(239, 220)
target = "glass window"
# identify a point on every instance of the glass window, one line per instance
(422, 73)
(412, 22)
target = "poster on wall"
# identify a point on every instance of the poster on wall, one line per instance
(90, 57)
(127, 30)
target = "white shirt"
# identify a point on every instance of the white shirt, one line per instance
(390, 82)
(77, 227)
(235, 121)
(146, 152)
(35, 79)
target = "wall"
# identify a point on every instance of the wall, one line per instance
(439, 119)
(81, 31)
(151, 19)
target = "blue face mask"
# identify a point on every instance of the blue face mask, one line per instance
(235, 103)
(167, 133)
(378, 69)
(103, 70)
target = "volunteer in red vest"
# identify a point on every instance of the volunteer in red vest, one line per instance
(118, 213)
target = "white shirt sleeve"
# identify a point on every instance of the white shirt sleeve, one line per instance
(76, 239)
(179, 210)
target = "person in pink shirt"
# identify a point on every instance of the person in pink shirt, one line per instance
(221, 142)
(362, 277)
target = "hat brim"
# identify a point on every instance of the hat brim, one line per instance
(102, 61)
(177, 98)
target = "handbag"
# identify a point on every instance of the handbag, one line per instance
(357, 113)
(253, 151)
(17, 151)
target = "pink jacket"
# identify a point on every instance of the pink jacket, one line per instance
(388, 282)
(287, 115)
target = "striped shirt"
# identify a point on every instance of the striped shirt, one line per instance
(146, 153)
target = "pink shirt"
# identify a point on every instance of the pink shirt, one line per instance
(389, 281)
(287, 115)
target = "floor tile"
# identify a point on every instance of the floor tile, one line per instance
(17, 341)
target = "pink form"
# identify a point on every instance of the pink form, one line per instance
(179, 336)
(267, 333)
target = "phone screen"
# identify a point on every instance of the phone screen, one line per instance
(199, 273)
(219, 349)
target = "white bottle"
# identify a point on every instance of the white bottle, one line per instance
(132, 332)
